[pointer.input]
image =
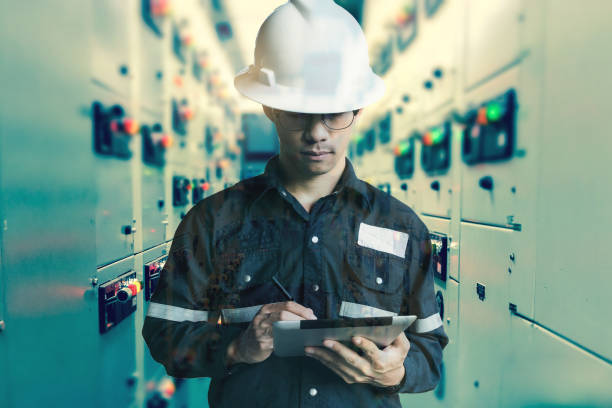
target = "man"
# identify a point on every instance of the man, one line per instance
(307, 229)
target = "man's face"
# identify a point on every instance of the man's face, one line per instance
(313, 148)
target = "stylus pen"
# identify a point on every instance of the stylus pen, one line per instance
(282, 288)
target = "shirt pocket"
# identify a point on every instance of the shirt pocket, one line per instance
(373, 278)
(247, 275)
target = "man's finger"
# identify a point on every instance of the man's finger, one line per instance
(335, 363)
(292, 307)
(347, 379)
(347, 357)
(371, 350)
(284, 315)
(401, 342)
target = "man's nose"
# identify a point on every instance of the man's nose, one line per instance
(316, 130)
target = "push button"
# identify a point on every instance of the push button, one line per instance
(379, 280)
(315, 287)
(313, 392)
(247, 278)
(315, 239)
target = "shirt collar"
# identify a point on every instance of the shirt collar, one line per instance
(271, 179)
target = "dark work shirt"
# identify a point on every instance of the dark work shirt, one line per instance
(358, 249)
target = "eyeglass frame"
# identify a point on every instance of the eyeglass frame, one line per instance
(310, 115)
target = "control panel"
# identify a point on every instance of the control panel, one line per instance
(439, 244)
(117, 300)
(435, 155)
(180, 191)
(181, 40)
(155, 142)
(404, 159)
(181, 114)
(440, 302)
(384, 129)
(406, 24)
(386, 187)
(151, 276)
(112, 130)
(200, 186)
(154, 12)
(200, 65)
(370, 139)
(431, 7)
(360, 146)
(490, 130)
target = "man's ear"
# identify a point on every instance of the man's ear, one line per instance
(269, 112)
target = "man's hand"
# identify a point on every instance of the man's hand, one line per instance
(256, 343)
(381, 368)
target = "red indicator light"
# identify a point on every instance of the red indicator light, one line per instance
(186, 113)
(188, 187)
(427, 139)
(178, 81)
(475, 132)
(482, 116)
(130, 126)
(114, 126)
(167, 388)
(186, 40)
(206, 186)
(166, 141)
(160, 8)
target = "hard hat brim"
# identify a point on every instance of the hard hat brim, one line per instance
(301, 100)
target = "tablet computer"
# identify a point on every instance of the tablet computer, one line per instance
(290, 337)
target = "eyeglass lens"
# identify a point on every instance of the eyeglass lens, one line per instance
(298, 121)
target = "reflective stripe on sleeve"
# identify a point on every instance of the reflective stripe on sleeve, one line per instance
(176, 314)
(239, 315)
(350, 309)
(427, 324)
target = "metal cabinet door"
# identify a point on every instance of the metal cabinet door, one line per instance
(485, 324)
(114, 211)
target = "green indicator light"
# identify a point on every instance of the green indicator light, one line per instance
(437, 135)
(358, 137)
(494, 112)
(403, 148)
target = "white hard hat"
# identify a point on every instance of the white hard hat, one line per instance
(311, 56)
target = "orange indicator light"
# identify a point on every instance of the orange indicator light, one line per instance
(482, 116)
(130, 126)
(166, 141)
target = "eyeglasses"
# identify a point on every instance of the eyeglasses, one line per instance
(299, 121)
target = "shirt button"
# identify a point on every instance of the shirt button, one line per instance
(312, 392)
(379, 280)
(315, 287)
(315, 239)
(247, 278)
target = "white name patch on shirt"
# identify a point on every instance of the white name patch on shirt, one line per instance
(383, 239)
